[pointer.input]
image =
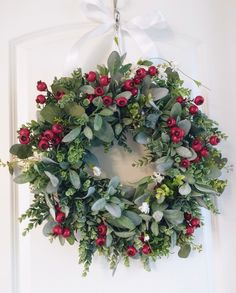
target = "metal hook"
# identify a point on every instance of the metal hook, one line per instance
(116, 15)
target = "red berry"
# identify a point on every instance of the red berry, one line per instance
(43, 144)
(199, 100)
(66, 233)
(178, 132)
(214, 140)
(91, 76)
(187, 216)
(195, 222)
(171, 122)
(41, 86)
(197, 145)
(57, 128)
(121, 102)
(40, 99)
(56, 140)
(204, 152)
(90, 98)
(60, 217)
(99, 91)
(137, 80)
(131, 250)
(100, 241)
(197, 160)
(104, 80)
(48, 134)
(193, 109)
(59, 95)
(128, 84)
(134, 91)
(142, 237)
(152, 70)
(175, 139)
(102, 230)
(24, 139)
(141, 73)
(24, 131)
(189, 230)
(146, 249)
(107, 101)
(57, 230)
(180, 100)
(185, 163)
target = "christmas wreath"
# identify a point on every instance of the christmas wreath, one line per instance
(144, 220)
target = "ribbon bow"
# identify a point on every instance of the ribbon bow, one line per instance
(97, 11)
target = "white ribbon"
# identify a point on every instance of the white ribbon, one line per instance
(97, 11)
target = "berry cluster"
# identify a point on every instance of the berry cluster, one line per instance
(191, 224)
(102, 231)
(59, 230)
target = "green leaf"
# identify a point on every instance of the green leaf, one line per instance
(176, 110)
(90, 192)
(106, 133)
(108, 240)
(125, 222)
(54, 180)
(47, 228)
(75, 179)
(134, 217)
(99, 205)
(22, 151)
(24, 178)
(106, 112)
(175, 217)
(185, 125)
(113, 209)
(184, 152)
(50, 112)
(88, 132)
(155, 228)
(126, 94)
(184, 251)
(97, 122)
(73, 109)
(151, 120)
(185, 189)
(114, 62)
(125, 234)
(87, 89)
(72, 135)
(138, 201)
(127, 121)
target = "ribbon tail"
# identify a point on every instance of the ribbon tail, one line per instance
(144, 42)
(72, 59)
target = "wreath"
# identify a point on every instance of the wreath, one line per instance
(148, 218)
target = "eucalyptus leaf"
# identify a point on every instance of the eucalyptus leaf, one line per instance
(97, 122)
(118, 129)
(176, 110)
(185, 189)
(88, 132)
(75, 179)
(138, 201)
(50, 112)
(158, 93)
(99, 205)
(113, 209)
(90, 191)
(175, 217)
(106, 133)
(151, 120)
(142, 138)
(114, 182)
(126, 94)
(87, 89)
(72, 135)
(184, 152)
(185, 125)
(155, 228)
(157, 216)
(108, 240)
(47, 228)
(204, 188)
(106, 112)
(125, 222)
(134, 217)
(114, 62)
(24, 178)
(54, 180)
(75, 110)
(163, 164)
(125, 234)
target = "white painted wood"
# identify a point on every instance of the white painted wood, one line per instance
(35, 38)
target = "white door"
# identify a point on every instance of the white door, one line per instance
(35, 39)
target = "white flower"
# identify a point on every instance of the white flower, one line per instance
(174, 65)
(161, 73)
(158, 177)
(144, 208)
(97, 171)
(146, 238)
